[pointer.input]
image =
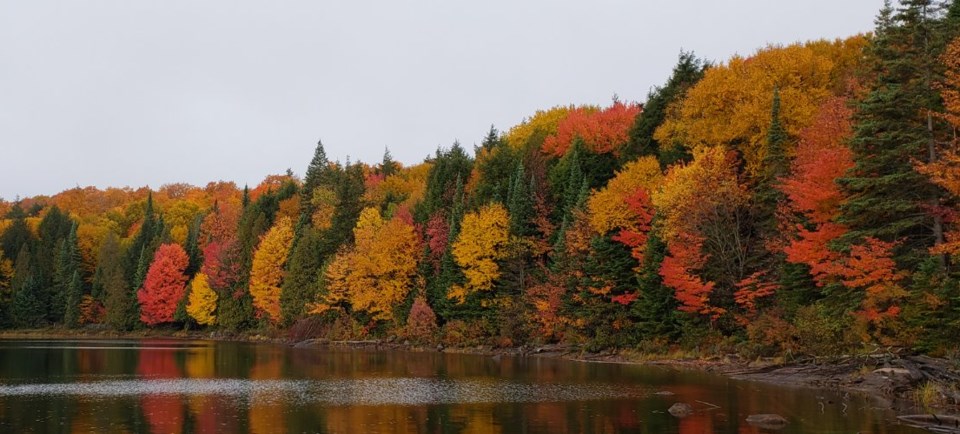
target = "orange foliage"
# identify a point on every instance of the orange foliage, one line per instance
(602, 131)
(870, 268)
(91, 311)
(678, 270)
(812, 191)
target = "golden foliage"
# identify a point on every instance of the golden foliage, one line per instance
(542, 123)
(692, 194)
(267, 272)
(202, 301)
(379, 271)
(731, 105)
(608, 207)
(482, 242)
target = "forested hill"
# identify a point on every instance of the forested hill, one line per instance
(801, 199)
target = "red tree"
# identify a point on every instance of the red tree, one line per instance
(164, 285)
(603, 131)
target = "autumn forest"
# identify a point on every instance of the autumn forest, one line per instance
(804, 199)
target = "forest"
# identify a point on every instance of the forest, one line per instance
(804, 199)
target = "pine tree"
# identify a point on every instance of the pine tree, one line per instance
(65, 304)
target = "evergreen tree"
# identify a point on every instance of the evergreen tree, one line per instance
(300, 285)
(318, 172)
(192, 246)
(656, 308)
(18, 234)
(448, 167)
(387, 165)
(71, 317)
(520, 203)
(891, 132)
(28, 310)
(67, 265)
(495, 165)
(688, 71)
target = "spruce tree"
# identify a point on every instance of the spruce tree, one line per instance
(300, 285)
(71, 317)
(688, 71)
(317, 173)
(27, 309)
(888, 197)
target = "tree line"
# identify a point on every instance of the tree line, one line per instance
(802, 199)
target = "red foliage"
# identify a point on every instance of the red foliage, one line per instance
(437, 234)
(422, 322)
(219, 263)
(638, 202)
(752, 288)
(822, 157)
(164, 285)
(677, 270)
(870, 267)
(603, 131)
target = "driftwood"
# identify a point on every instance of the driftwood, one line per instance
(932, 422)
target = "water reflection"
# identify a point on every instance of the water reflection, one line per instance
(169, 386)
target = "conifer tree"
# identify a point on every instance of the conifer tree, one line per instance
(891, 132)
(300, 286)
(27, 310)
(687, 72)
(71, 317)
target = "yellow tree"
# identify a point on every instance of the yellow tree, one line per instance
(608, 206)
(376, 275)
(202, 301)
(482, 242)
(267, 271)
(731, 105)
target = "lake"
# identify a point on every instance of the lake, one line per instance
(177, 386)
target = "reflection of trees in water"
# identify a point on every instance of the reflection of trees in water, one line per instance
(266, 408)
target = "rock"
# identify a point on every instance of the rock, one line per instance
(767, 421)
(439, 347)
(680, 409)
(664, 393)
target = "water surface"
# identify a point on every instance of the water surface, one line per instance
(172, 386)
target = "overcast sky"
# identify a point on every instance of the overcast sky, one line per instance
(117, 93)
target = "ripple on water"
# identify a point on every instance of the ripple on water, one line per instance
(374, 391)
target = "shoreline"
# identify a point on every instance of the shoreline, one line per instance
(898, 383)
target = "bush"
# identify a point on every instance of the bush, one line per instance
(822, 333)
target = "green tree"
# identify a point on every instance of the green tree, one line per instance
(688, 71)
(300, 285)
(891, 132)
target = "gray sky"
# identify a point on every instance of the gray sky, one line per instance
(122, 92)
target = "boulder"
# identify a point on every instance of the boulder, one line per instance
(680, 410)
(767, 421)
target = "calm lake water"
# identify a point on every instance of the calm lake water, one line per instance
(171, 386)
